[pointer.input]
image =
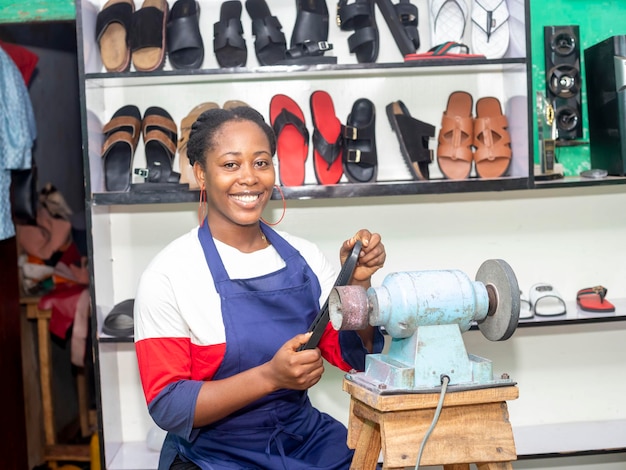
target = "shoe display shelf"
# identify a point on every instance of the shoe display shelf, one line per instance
(128, 228)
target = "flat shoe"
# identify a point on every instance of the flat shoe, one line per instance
(147, 37)
(228, 42)
(160, 137)
(360, 161)
(454, 149)
(113, 24)
(593, 299)
(121, 136)
(546, 300)
(327, 139)
(491, 139)
(184, 41)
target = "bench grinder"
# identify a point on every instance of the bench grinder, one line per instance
(425, 314)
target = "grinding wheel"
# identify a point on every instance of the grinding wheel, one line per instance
(504, 300)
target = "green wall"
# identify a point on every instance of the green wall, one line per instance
(597, 21)
(12, 11)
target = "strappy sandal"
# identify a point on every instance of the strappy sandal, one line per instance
(159, 136)
(228, 42)
(454, 149)
(327, 139)
(359, 17)
(413, 136)
(121, 136)
(147, 36)
(309, 39)
(448, 20)
(360, 157)
(184, 41)
(292, 139)
(186, 169)
(402, 19)
(490, 28)
(491, 139)
(113, 24)
(270, 44)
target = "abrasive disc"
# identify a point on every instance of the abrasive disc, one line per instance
(504, 299)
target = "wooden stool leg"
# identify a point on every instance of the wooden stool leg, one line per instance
(495, 466)
(46, 379)
(368, 448)
(457, 466)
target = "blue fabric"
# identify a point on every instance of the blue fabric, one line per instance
(17, 134)
(281, 431)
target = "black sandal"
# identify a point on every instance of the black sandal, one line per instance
(309, 40)
(160, 136)
(270, 44)
(228, 43)
(360, 161)
(402, 19)
(413, 137)
(184, 41)
(359, 17)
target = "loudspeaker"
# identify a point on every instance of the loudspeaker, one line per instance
(605, 67)
(563, 79)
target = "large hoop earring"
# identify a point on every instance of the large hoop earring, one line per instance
(282, 196)
(202, 209)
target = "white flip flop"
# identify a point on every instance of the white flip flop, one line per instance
(525, 310)
(546, 300)
(490, 28)
(448, 19)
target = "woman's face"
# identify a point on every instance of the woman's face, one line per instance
(239, 176)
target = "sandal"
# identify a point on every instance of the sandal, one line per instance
(490, 28)
(491, 139)
(147, 37)
(186, 169)
(413, 136)
(309, 39)
(546, 300)
(359, 17)
(292, 139)
(121, 137)
(448, 19)
(593, 299)
(184, 41)
(402, 19)
(454, 149)
(327, 139)
(228, 43)
(360, 158)
(120, 320)
(113, 24)
(447, 50)
(270, 44)
(159, 137)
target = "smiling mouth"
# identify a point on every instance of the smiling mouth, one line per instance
(246, 198)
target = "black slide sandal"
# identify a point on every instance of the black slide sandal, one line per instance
(309, 39)
(122, 135)
(160, 136)
(270, 44)
(228, 42)
(323, 317)
(360, 160)
(359, 16)
(413, 136)
(402, 19)
(184, 41)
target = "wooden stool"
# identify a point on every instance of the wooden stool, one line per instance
(53, 451)
(473, 427)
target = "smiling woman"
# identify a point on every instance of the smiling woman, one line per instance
(221, 314)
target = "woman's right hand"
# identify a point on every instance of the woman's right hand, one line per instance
(293, 369)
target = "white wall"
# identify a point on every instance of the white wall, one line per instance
(572, 238)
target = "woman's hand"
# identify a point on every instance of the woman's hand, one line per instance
(371, 259)
(293, 369)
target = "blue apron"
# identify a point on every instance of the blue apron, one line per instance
(281, 431)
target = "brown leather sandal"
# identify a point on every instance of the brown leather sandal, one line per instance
(186, 170)
(454, 151)
(491, 139)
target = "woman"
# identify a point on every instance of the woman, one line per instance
(221, 313)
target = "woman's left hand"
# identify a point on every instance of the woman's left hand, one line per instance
(371, 259)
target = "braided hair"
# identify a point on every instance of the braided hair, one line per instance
(202, 135)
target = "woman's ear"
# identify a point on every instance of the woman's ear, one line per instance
(199, 174)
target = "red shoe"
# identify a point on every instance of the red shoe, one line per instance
(292, 139)
(327, 139)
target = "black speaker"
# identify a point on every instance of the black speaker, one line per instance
(563, 79)
(605, 68)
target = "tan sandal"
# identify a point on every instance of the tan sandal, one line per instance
(491, 139)
(113, 25)
(186, 169)
(454, 150)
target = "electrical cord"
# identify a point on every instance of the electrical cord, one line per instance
(444, 386)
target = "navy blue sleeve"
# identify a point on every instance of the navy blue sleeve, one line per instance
(173, 408)
(353, 351)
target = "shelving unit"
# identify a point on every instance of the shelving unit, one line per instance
(416, 218)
